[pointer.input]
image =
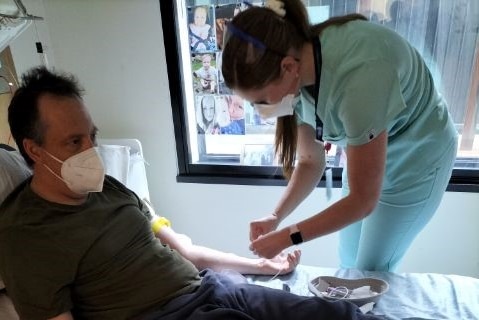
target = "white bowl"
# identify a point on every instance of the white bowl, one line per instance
(321, 284)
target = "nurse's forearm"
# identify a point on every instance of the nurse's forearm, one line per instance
(304, 179)
(337, 216)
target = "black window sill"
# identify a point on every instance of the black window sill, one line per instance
(461, 181)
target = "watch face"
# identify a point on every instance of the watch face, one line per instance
(296, 237)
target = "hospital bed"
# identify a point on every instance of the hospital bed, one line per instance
(428, 296)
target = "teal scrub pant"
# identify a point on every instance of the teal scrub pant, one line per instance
(380, 241)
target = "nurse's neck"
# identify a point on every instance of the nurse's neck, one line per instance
(307, 68)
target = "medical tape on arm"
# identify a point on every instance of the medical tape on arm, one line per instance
(158, 223)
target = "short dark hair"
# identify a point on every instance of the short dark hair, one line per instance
(23, 115)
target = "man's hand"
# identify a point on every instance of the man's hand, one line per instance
(283, 263)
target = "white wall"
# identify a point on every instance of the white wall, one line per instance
(116, 49)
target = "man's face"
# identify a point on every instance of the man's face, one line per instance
(68, 130)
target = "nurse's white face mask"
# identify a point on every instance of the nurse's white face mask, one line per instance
(284, 108)
(82, 172)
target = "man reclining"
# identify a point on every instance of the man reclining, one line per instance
(76, 244)
(13, 170)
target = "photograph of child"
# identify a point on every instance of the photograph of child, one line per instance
(231, 114)
(201, 32)
(205, 74)
(206, 115)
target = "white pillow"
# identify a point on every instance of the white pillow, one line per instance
(13, 170)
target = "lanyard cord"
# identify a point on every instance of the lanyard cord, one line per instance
(318, 63)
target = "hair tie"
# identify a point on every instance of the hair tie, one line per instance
(277, 6)
(233, 30)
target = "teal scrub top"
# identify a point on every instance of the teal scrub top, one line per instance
(372, 81)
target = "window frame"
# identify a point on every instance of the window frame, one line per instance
(462, 180)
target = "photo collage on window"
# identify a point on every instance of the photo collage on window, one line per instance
(218, 110)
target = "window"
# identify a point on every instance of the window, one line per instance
(219, 137)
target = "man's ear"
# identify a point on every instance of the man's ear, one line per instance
(32, 149)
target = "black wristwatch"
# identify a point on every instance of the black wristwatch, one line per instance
(295, 234)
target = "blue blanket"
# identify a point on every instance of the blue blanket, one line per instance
(425, 296)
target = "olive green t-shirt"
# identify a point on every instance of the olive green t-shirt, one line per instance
(99, 260)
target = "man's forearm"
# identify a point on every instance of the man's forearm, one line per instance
(203, 257)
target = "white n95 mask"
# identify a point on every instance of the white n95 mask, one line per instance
(283, 108)
(82, 172)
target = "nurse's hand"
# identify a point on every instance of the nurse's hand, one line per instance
(271, 244)
(263, 226)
